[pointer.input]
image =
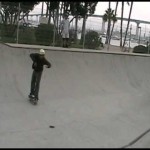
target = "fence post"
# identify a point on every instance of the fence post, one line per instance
(54, 36)
(0, 19)
(84, 34)
(54, 30)
(0, 6)
(148, 42)
(18, 23)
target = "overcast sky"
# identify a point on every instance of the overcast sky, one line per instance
(141, 10)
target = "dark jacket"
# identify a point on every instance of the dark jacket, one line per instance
(38, 62)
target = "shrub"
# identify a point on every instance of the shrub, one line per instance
(27, 35)
(58, 40)
(8, 32)
(72, 35)
(44, 34)
(92, 40)
(140, 49)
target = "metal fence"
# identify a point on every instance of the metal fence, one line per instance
(31, 31)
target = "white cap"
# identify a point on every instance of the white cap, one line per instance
(42, 52)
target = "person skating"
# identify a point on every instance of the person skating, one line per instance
(39, 61)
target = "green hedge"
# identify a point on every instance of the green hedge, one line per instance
(27, 35)
(140, 49)
(44, 34)
(92, 40)
(8, 32)
(58, 40)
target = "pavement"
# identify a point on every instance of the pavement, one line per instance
(88, 99)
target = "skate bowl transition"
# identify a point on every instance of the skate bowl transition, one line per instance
(87, 100)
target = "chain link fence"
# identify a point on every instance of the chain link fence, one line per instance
(36, 33)
(36, 29)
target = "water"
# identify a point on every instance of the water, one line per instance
(117, 43)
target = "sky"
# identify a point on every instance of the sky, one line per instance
(140, 11)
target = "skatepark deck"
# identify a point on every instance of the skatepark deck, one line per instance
(91, 99)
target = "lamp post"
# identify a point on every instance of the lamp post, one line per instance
(18, 22)
(0, 18)
(84, 33)
(130, 35)
(139, 35)
(148, 42)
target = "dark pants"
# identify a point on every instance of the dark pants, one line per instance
(65, 42)
(35, 83)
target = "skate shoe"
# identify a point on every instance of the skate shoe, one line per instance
(31, 96)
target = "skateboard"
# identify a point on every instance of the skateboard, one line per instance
(33, 100)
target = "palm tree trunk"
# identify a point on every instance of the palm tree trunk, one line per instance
(108, 31)
(122, 9)
(57, 14)
(128, 23)
(61, 10)
(108, 27)
(47, 9)
(61, 14)
(11, 18)
(50, 13)
(113, 22)
(49, 17)
(76, 28)
(83, 29)
(42, 8)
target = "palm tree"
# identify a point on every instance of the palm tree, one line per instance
(109, 16)
(128, 23)
(109, 23)
(122, 11)
(113, 22)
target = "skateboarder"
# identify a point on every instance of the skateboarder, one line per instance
(39, 61)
